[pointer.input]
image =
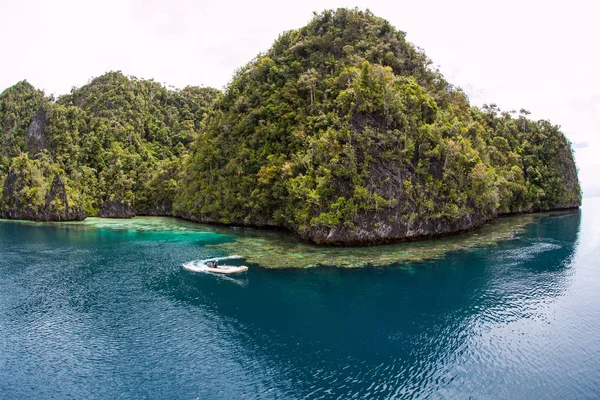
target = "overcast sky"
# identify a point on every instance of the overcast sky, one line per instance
(538, 55)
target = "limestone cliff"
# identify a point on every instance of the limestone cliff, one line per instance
(53, 207)
(116, 209)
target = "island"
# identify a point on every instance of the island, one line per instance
(341, 132)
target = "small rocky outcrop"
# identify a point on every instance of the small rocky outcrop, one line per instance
(161, 210)
(116, 209)
(54, 208)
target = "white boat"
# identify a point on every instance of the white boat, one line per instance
(227, 269)
(202, 266)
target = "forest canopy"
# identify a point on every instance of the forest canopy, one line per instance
(117, 140)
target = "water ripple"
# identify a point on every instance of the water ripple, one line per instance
(104, 313)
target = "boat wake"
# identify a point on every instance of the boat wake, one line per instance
(202, 265)
(222, 270)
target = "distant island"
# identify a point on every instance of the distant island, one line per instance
(341, 132)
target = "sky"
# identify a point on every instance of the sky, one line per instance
(538, 55)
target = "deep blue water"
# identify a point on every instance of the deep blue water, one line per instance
(106, 314)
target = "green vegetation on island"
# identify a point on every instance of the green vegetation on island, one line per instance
(116, 143)
(341, 132)
(344, 133)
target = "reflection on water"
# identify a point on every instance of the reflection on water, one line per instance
(107, 313)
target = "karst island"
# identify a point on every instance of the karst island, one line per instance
(342, 132)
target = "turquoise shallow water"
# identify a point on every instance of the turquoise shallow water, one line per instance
(104, 310)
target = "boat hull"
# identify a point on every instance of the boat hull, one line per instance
(227, 270)
(197, 266)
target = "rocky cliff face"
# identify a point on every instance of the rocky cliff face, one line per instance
(161, 210)
(36, 140)
(116, 209)
(55, 205)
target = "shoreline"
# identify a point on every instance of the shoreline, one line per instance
(276, 228)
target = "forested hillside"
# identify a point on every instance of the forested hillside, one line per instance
(342, 132)
(112, 147)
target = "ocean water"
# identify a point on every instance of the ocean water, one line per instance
(105, 310)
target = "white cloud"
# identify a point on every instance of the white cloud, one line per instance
(538, 55)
